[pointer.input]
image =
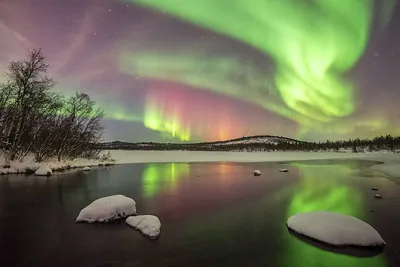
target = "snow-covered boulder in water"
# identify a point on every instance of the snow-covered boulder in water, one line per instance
(257, 173)
(149, 225)
(335, 229)
(283, 170)
(44, 171)
(107, 209)
(86, 169)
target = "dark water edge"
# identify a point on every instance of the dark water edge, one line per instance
(212, 214)
(352, 163)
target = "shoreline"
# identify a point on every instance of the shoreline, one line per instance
(29, 167)
(391, 162)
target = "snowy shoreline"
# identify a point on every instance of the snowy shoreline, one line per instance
(137, 156)
(391, 166)
(30, 166)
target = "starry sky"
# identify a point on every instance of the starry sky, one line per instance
(203, 70)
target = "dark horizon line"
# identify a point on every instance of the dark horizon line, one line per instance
(245, 138)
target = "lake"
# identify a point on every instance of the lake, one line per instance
(212, 214)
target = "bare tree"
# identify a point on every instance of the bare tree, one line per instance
(81, 127)
(35, 120)
(30, 87)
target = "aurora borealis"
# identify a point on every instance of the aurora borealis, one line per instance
(214, 69)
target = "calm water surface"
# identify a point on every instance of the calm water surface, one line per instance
(212, 214)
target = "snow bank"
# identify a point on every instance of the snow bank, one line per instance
(30, 166)
(107, 209)
(149, 225)
(44, 171)
(16, 167)
(257, 173)
(85, 169)
(335, 229)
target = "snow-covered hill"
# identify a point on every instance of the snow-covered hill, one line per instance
(261, 139)
(243, 141)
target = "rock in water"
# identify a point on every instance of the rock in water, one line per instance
(44, 171)
(85, 169)
(378, 196)
(149, 225)
(257, 173)
(107, 209)
(374, 188)
(283, 170)
(335, 229)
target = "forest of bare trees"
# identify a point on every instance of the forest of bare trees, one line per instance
(35, 120)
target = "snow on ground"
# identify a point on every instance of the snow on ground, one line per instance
(392, 166)
(257, 140)
(135, 156)
(149, 225)
(44, 171)
(391, 169)
(107, 209)
(30, 166)
(335, 229)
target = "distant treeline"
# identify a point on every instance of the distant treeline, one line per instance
(271, 143)
(34, 120)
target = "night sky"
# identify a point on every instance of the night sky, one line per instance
(200, 70)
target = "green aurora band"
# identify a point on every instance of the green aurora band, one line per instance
(223, 75)
(312, 43)
(155, 119)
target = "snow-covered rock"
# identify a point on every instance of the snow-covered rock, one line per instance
(85, 169)
(283, 170)
(257, 173)
(335, 229)
(149, 225)
(107, 209)
(378, 196)
(44, 171)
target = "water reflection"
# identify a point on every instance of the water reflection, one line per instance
(321, 189)
(157, 177)
(213, 214)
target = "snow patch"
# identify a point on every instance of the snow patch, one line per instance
(391, 169)
(149, 225)
(335, 229)
(137, 156)
(107, 209)
(44, 171)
